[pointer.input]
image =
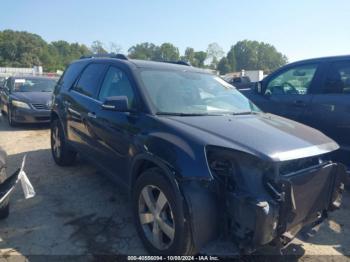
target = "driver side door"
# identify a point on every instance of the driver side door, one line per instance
(288, 93)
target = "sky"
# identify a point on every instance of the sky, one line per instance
(298, 28)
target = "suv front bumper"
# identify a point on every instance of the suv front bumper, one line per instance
(299, 199)
(243, 223)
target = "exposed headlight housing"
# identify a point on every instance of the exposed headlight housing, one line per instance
(229, 162)
(251, 212)
(20, 104)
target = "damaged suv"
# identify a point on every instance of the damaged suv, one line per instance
(202, 163)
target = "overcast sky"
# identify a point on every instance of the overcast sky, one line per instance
(299, 29)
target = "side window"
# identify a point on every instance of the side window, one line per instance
(338, 78)
(90, 79)
(295, 81)
(116, 83)
(70, 74)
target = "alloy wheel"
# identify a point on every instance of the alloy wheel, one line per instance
(56, 141)
(156, 217)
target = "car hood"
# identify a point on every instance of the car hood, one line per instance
(265, 135)
(33, 97)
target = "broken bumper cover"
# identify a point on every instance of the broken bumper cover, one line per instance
(299, 199)
(295, 201)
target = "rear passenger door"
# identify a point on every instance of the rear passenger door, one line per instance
(81, 105)
(114, 130)
(331, 107)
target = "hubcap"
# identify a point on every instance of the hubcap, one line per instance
(156, 217)
(56, 142)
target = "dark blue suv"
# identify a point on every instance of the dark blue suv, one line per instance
(201, 162)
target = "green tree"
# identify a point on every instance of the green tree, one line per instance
(21, 49)
(144, 51)
(199, 58)
(189, 55)
(231, 59)
(64, 53)
(97, 47)
(253, 55)
(223, 66)
(167, 52)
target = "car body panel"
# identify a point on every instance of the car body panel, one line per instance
(276, 139)
(122, 142)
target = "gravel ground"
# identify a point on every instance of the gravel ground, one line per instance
(77, 211)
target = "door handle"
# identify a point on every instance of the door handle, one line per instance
(91, 115)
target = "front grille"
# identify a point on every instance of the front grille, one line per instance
(42, 118)
(40, 106)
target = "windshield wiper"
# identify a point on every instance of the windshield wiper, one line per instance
(244, 113)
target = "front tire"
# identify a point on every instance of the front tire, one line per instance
(10, 118)
(61, 153)
(159, 215)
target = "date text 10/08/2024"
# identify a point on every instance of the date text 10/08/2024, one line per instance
(173, 258)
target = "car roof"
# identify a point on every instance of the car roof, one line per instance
(176, 66)
(322, 59)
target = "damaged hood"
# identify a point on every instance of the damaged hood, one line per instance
(264, 135)
(32, 97)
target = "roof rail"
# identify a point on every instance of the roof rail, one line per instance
(180, 62)
(110, 55)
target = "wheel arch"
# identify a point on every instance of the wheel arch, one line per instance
(145, 161)
(54, 115)
(202, 218)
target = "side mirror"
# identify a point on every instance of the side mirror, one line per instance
(116, 103)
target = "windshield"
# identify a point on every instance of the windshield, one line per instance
(183, 92)
(33, 85)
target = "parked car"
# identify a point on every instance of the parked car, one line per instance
(27, 99)
(315, 92)
(200, 161)
(4, 205)
(240, 82)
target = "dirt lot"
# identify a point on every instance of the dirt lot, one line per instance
(78, 211)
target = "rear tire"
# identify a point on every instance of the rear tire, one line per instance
(61, 153)
(163, 228)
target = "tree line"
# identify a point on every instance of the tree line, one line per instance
(23, 49)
